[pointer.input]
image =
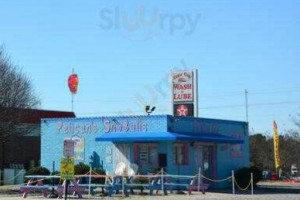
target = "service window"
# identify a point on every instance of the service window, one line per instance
(146, 154)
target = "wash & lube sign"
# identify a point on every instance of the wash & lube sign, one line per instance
(184, 93)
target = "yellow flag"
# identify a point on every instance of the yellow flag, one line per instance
(276, 145)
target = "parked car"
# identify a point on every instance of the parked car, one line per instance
(274, 177)
(294, 170)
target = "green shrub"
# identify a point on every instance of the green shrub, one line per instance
(37, 171)
(156, 171)
(243, 176)
(56, 181)
(81, 168)
(99, 171)
(55, 173)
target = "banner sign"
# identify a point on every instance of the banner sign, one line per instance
(79, 145)
(68, 148)
(67, 168)
(276, 146)
(184, 93)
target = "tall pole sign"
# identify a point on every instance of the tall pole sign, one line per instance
(185, 93)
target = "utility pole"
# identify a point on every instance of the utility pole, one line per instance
(246, 101)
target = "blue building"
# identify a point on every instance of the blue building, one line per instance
(180, 145)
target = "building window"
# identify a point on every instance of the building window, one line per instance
(146, 154)
(181, 154)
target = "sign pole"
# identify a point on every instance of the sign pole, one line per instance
(72, 99)
(172, 93)
(66, 189)
(195, 77)
(72, 102)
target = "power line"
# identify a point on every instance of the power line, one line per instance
(229, 94)
(202, 108)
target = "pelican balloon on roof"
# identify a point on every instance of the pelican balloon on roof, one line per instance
(73, 83)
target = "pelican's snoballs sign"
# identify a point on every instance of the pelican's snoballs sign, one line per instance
(68, 148)
(184, 93)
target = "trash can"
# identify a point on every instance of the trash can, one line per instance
(1, 177)
(9, 177)
(19, 173)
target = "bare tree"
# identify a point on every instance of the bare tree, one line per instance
(261, 151)
(16, 94)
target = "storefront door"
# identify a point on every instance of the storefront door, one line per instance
(203, 159)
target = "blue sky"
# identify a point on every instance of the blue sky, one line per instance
(123, 50)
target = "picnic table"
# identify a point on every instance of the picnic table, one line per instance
(36, 183)
(190, 184)
(114, 184)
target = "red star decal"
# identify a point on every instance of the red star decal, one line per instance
(182, 110)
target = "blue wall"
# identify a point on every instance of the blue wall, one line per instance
(228, 157)
(54, 131)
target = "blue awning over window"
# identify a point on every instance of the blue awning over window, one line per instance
(166, 136)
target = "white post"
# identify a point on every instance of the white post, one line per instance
(232, 176)
(162, 180)
(251, 183)
(90, 181)
(199, 179)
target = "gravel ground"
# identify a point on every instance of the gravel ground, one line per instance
(194, 196)
(266, 191)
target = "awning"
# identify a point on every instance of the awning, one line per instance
(165, 136)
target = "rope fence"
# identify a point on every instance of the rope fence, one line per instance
(161, 177)
(235, 183)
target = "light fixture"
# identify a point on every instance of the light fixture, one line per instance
(148, 110)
